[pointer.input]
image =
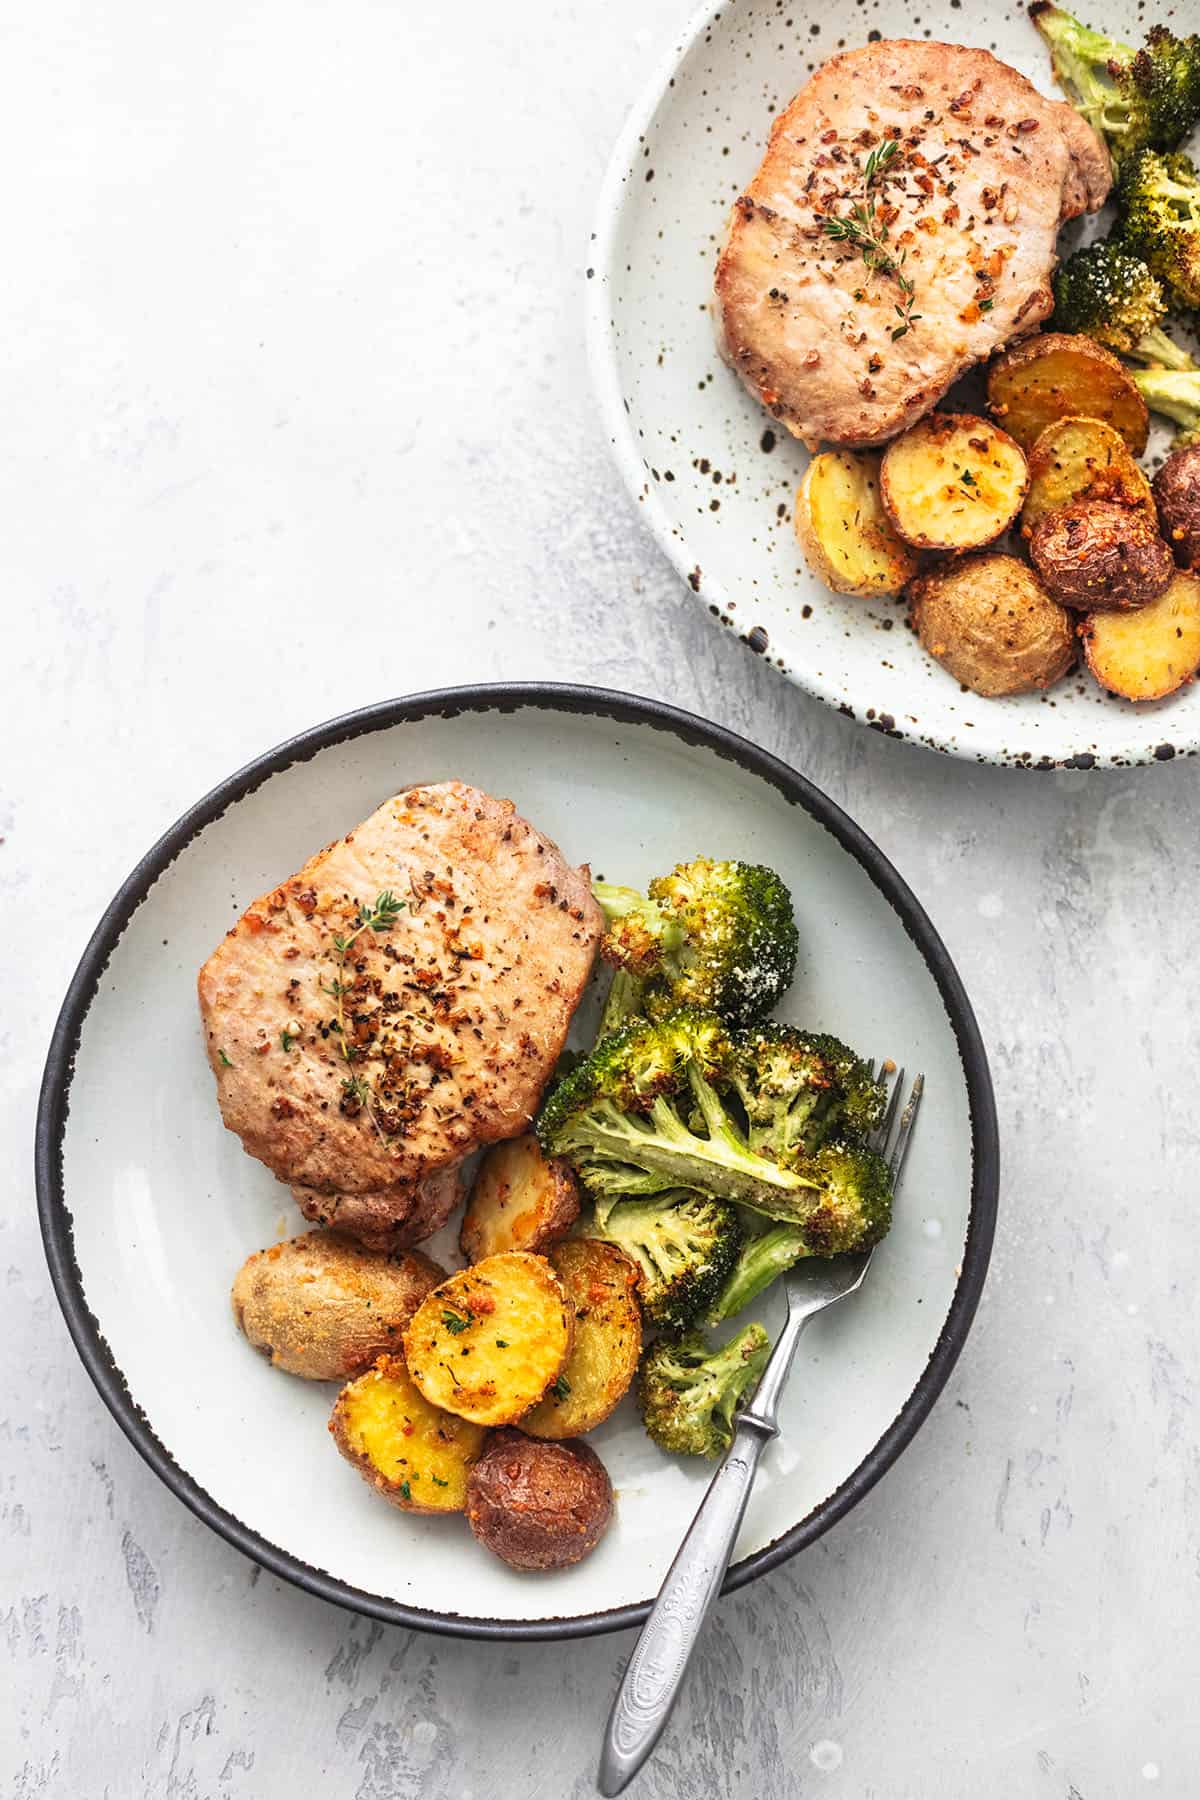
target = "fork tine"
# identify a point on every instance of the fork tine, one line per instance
(885, 1130)
(904, 1130)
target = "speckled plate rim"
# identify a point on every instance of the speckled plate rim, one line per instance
(606, 384)
(54, 1106)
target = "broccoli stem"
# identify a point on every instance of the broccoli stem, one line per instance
(617, 902)
(1174, 393)
(1157, 349)
(760, 1261)
(624, 1002)
(1080, 59)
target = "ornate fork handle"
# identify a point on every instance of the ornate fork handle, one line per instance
(660, 1657)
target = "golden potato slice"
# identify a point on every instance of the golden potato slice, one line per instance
(954, 482)
(1056, 376)
(1081, 459)
(323, 1307)
(991, 624)
(417, 1456)
(488, 1342)
(520, 1200)
(843, 529)
(1147, 654)
(601, 1284)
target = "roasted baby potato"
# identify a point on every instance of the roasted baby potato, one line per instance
(1098, 556)
(1147, 654)
(323, 1307)
(520, 1200)
(601, 1285)
(1177, 493)
(1081, 459)
(488, 1342)
(843, 530)
(954, 482)
(1055, 376)
(416, 1455)
(538, 1505)
(991, 624)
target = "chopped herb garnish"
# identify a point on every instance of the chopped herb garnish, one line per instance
(405, 1490)
(438, 1482)
(287, 1038)
(560, 1388)
(502, 1343)
(380, 917)
(968, 480)
(224, 1059)
(986, 305)
(867, 230)
(455, 1323)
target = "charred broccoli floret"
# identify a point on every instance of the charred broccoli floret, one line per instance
(1175, 394)
(1160, 201)
(656, 1106)
(685, 1246)
(1107, 293)
(688, 1393)
(799, 1088)
(714, 935)
(1135, 99)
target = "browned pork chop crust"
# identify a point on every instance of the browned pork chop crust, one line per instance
(454, 1014)
(985, 172)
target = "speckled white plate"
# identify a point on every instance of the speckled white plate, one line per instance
(713, 474)
(149, 1206)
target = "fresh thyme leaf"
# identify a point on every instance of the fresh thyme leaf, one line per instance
(287, 1038)
(864, 227)
(502, 1343)
(379, 917)
(455, 1323)
(224, 1059)
(406, 1490)
(560, 1388)
(968, 479)
(986, 305)
(438, 1482)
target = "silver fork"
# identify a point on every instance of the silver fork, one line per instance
(655, 1671)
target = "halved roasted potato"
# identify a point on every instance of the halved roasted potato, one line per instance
(1177, 495)
(520, 1200)
(416, 1455)
(1147, 654)
(1055, 376)
(1098, 557)
(322, 1306)
(843, 530)
(1081, 459)
(954, 482)
(991, 624)
(601, 1284)
(487, 1343)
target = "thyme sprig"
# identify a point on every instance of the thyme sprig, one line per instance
(378, 918)
(865, 228)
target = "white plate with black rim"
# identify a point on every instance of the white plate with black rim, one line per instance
(149, 1206)
(713, 475)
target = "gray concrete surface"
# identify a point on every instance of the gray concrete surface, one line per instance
(296, 416)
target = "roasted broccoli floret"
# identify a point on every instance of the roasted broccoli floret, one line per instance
(684, 1244)
(799, 1088)
(1108, 294)
(1175, 394)
(759, 1261)
(1148, 98)
(1160, 202)
(656, 1106)
(688, 1393)
(715, 935)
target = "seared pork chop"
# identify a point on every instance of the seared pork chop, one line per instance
(400, 1001)
(984, 172)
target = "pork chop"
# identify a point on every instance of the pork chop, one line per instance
(985, 171)
(399, 1002)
